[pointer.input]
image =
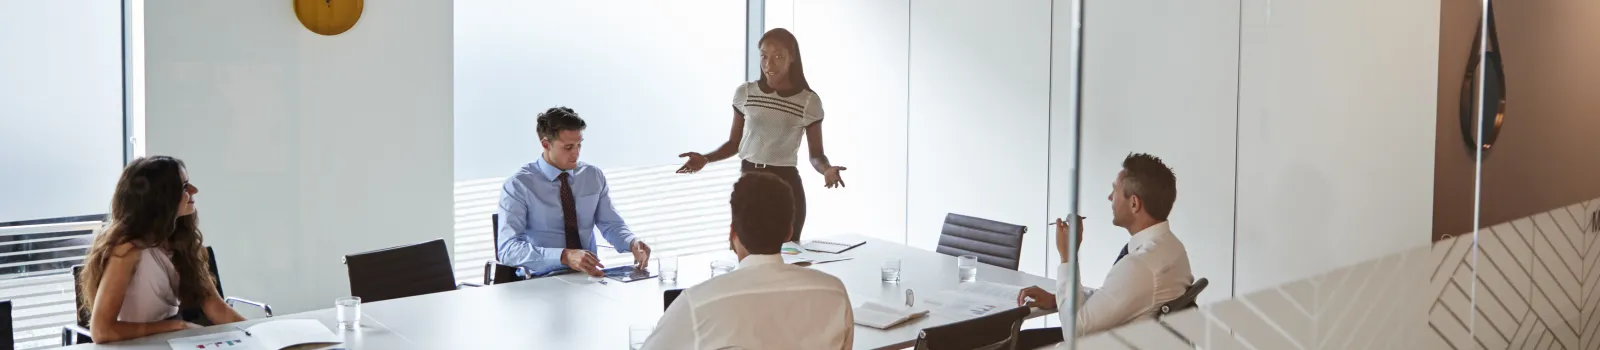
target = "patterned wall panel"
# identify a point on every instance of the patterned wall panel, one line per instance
(1534, 285)
(1535, 280)
(1378, 304)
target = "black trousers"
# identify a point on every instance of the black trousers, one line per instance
(1039, 337)
(790, 175)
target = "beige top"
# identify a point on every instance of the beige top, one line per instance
(153, 291)
(765, 304)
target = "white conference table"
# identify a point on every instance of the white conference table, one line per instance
(924, 272)
(574, 312)
(372, 335)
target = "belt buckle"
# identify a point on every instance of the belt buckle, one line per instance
(760, 166)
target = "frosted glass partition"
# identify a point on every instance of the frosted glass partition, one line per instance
(980, 107)
(61, 115)
(856, 59)
(652, 79)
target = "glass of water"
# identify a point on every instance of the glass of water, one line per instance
(669, 269)
(637, 334)
(721, 266)
(349, 311)
(967, 268)
(891, 270)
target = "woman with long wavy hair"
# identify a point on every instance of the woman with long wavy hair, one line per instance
(769, 116)
(151, 258)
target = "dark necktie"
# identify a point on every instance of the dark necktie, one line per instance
(1120, 255)
(569, 212)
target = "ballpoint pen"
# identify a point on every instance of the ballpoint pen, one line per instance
(1053, 222)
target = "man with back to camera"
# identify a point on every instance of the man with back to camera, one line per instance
(765, 303)
(551, 207)
(1152, 269)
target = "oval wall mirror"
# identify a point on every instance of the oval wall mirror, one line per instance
(1481, 119)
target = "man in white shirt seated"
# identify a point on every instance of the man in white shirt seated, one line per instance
(764, 304)
(1152, 270)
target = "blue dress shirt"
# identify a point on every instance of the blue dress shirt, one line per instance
(532, 234)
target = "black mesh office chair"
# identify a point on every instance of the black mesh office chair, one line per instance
(79, 333)
(993, 332)
(6, 326)
(995, 243)
(493, 271)
(403, 271)
(198, 316)
(1187, 300)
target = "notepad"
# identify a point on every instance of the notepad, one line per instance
(272, 335)
(834, 246)
(884, 316)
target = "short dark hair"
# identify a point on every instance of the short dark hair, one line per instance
(557, 119)
(1146, 176)
(763, 212)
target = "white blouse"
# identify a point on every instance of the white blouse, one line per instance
(152, 293)
(773, 123)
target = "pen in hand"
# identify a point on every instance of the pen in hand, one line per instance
(1052, 223)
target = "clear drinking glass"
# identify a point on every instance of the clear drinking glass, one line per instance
(891, 270)
(349, 311)
(967, 268)
(669, 269)
(637, 334)
(721, 266)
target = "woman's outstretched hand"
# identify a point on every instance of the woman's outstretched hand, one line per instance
(696, 162)
(831, 177)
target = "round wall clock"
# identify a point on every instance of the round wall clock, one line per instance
(328, 17)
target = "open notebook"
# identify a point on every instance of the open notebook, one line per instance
(271, 335)
(884, 316)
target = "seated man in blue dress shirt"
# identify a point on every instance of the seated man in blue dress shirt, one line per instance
(549, 210)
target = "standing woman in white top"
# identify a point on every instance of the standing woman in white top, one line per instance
(769, 116)
(150, 259)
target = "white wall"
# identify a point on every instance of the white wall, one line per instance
(1161, 78)
(979, 116)
(305, 147)
(61, 115)
(1336, 134)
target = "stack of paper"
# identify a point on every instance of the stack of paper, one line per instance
(884, 316)
(793, 254)
(273, 335)
(975, 299)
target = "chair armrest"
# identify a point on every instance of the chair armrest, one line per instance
(263, 306)
(467, 284)
(488, 272)
(73, 334)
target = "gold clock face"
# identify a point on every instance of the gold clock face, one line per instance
(328, 17)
